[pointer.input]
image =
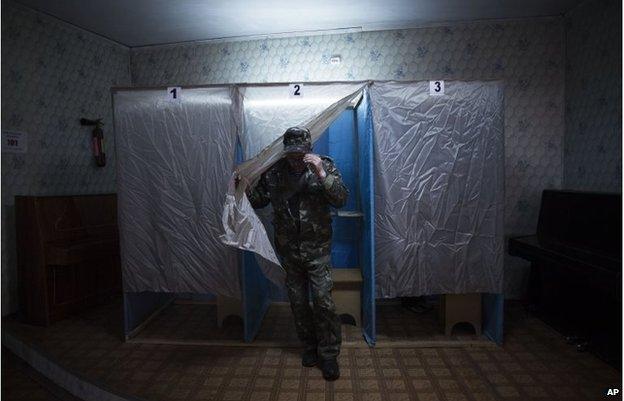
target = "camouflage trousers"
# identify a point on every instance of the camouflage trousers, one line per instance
(317, 326)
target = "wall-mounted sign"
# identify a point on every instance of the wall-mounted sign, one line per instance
(295, 90)
(13, 142)
(174, 93)
(436, 88)
(335, 60)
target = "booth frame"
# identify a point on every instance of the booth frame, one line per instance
(140, 308)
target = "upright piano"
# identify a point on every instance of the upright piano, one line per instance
(576, 267)
(67, 254)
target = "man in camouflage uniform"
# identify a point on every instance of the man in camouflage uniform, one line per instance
(301, 187)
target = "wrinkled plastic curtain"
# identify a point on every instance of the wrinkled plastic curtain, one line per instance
(174, 162)
(268, 112)
(439, 188)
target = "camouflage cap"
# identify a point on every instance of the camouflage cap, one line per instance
(297, 140)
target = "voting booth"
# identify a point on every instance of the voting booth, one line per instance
(424, 173)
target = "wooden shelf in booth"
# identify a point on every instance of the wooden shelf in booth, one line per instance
(347, 213)
(347, 278)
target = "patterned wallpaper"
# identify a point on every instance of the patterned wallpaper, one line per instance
(52, 75)
(593, 133)
(527, 54)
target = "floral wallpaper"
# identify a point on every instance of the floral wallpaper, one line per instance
(527, 55)
(593, 133)
(52, 75)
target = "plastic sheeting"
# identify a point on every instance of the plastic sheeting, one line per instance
(438, 182)
(439, 188)
(174, 162)
(268, 112)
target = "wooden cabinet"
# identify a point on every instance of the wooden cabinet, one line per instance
(67, 254)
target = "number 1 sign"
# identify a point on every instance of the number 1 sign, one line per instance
(174, 93)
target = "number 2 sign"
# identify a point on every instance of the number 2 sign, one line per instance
(295, 90)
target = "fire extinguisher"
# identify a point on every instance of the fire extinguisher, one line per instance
(97, 140)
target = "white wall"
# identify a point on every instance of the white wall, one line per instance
(593, 133)
(528, 55)
(52, 75)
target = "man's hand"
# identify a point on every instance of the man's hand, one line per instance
(317, 163)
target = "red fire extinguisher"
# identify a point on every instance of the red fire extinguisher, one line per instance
(97, 140)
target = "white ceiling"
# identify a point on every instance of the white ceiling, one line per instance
(149, 22)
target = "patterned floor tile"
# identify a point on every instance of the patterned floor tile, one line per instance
(534, 364)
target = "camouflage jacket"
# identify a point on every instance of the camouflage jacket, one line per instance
(301, 205)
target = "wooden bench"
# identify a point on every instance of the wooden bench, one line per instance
(346, 293)
(460, 308)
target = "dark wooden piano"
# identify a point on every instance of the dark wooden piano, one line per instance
(67, 254)
(576, 267)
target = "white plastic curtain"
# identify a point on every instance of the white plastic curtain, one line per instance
(268, 112)
(174, 162)
(438, 177)
(439, 188)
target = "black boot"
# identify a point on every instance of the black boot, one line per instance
(330, 369)
(309, 357)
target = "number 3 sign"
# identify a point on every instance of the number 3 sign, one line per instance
(295, 90)
(436, 88)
